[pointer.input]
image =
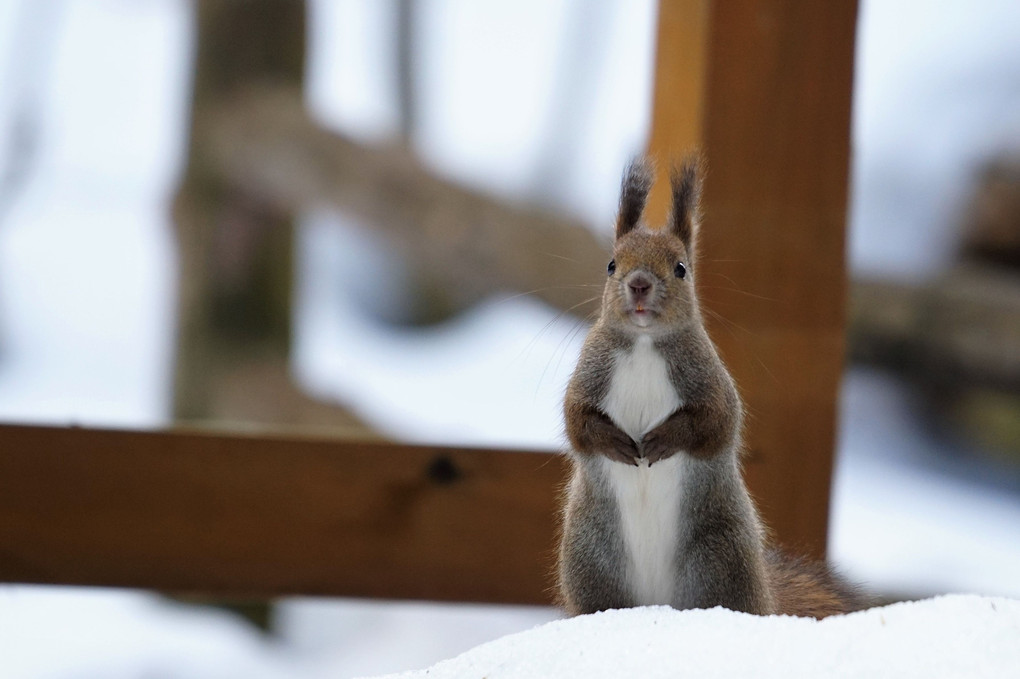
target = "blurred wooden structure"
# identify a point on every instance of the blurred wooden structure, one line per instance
(960, 330)
(763, 87)
(235, 244)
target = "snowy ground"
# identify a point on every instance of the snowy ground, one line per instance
(87, 283)
(959, 636)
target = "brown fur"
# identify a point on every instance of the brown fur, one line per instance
(810, 589)
(721, 551)
(637, 182)
(685, 182)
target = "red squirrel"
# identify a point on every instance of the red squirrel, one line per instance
(656, 510)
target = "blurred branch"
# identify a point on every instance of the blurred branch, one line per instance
(963, 328)
(991, 225)
(265, 141)
(406, 49)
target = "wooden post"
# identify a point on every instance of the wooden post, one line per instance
(763, 87)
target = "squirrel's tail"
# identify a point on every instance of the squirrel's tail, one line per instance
(809, 588)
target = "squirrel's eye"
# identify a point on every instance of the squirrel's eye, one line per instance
(612, 267)
(680, 270)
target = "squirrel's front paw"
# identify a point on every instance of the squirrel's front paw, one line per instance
(622, 448)
(655, 447)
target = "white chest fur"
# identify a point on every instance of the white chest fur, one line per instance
(649, 501)
(640, 394)
(640, 397)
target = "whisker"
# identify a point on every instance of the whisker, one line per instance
(560, 349)
(739, 292)
(729, 325)
(578, 286)
(563, 257)
(723, 276)
(554, 319)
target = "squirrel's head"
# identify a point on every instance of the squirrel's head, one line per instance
(651, 285)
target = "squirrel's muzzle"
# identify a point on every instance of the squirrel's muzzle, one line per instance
(639, 286)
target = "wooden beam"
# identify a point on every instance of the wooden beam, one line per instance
(774, 119)
(270, 515)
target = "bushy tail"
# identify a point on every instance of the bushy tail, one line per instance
(809, 588)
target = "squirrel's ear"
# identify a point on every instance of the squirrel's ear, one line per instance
(637, 182)
(685, 181)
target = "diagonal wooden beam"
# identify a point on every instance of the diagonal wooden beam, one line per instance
(269, 515)
(264, 140)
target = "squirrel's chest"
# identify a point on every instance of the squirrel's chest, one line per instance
(640, 394)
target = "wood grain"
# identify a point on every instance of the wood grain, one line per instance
(267, 515)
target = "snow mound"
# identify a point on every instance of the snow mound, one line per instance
(948, 636)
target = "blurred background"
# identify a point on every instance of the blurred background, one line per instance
(110, 315)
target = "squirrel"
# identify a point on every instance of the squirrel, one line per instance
(656, 510)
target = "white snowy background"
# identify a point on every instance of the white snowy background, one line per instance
(87, 284)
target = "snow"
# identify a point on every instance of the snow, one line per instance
(950, 636)
(81, 632)
(116, 634)
(432, 385)
(358, 637)
(89, 632)
(899, 522)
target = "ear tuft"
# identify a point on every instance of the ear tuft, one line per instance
(685, 181)
(637, 182)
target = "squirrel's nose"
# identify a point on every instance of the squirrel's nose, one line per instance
(639, 284)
